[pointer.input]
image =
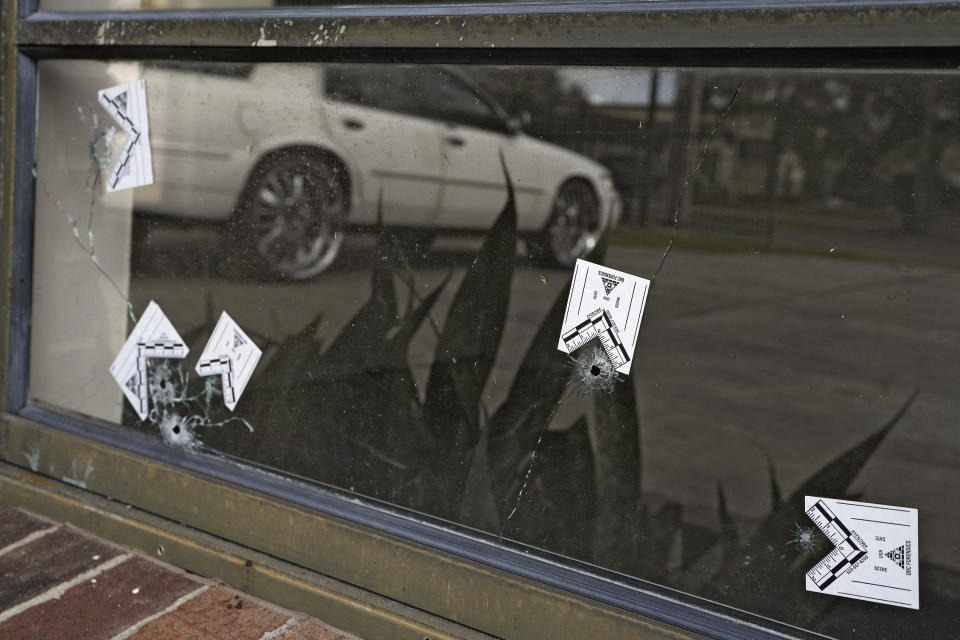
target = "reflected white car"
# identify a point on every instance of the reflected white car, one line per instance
(294, 155)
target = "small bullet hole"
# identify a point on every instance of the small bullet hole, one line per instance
(163, 384)
(595, 370)
(240, 605)
(176, 429)
(248, 563)
(159, 551)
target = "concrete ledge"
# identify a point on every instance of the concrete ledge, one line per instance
(260, 575)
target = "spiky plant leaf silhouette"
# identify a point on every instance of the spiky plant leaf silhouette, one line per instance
(467, 348)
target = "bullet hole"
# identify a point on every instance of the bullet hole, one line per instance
(159, 550)
(804, 538)
(240, 605)
(177, 412)
(592, 371)
(248, 563)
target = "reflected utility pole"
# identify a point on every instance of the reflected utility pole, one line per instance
(773, 175)
(915, 216)
(693, 143)
(647, 159)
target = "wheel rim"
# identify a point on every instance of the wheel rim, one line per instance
(575, 215)
(298, 212)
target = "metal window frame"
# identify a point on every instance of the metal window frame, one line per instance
(413, 560)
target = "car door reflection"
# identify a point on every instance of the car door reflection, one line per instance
(287, 160)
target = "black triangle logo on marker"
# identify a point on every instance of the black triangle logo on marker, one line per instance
(896, 556)
(132, 383)
(121, 101)
(237, 340)
(608, 284)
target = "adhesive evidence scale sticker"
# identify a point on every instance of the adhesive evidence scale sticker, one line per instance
(152, 337)
(875, 552)
(233, 355)
(606, 304)
(127, 104)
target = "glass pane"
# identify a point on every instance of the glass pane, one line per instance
(800, 338)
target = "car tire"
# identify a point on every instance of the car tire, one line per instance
(292, 216)
(569, 232)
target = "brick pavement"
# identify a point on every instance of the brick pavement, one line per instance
(59, 583)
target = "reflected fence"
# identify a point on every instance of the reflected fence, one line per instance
(894, 161)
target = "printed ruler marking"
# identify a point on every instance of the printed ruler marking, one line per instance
(127, 105)
(133, 136)
(155, 349)
(598, 324)
(883, 572)
(223, 366)
(152, 337)
(602, 303)
(126, 155)
(231, 354)
(850, 550)
(119, 114)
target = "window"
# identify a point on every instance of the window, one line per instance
(406, 282)
(376, 86)
(453, 101)
(425, 92)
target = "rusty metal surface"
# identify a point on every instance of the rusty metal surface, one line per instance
(609, 25)
(7, 113)
(248, 570)
(467, 593)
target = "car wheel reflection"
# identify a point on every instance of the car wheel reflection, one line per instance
(295, 211)
(571, 230)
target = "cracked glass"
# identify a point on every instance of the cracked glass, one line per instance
(399, 241)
